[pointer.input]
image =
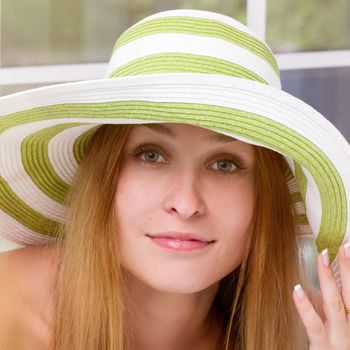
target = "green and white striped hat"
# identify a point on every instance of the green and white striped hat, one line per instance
(184, 66)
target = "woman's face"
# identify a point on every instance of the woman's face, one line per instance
(178, 179)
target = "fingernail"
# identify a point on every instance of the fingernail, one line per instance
(347, 249)
(299, 291)
(325, 257)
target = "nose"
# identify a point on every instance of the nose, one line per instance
(184, 197)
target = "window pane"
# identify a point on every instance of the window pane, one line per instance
(81, 31)
(10, 89)
(327, 90)
(308, 25)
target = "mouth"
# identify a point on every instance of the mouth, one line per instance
(180, 241)
(182, 236)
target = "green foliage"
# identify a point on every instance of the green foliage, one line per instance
(308, 25)
(65, 31)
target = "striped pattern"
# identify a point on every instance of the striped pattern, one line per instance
(13, 230)
(221, 78)
(298, 202)
(73, 151)
(199, 27)
(301, 180)
(171, 62)
(181, 43)
(238, 119)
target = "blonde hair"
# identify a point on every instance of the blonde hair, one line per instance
(262, 313)
(254, 300)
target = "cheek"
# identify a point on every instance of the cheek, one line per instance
(130, 196)
(234, 212)
(235, 203)
(136, 196)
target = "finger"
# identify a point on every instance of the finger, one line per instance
(333, 305)
(344, 270)
(313, 323)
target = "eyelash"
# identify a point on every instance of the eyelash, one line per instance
(237, 161)
(149, 148)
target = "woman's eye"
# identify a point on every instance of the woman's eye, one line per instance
(149, 155)
(226, 166)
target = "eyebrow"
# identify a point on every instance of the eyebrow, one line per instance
(164, 130)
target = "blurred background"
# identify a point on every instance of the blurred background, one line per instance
(46, 42)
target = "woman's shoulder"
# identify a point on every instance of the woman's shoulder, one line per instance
(26, 297)
(25, 272)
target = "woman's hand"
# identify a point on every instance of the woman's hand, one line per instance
(332, 333)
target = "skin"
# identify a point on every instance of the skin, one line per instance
(167, 188)
(26, 302)
(326, 322)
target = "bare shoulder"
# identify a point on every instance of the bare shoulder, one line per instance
(26, 298)
(24, 270)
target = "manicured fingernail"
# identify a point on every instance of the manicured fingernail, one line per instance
(299, 291)
(325, 257)
(347, 249)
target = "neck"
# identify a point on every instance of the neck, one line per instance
(165, 320)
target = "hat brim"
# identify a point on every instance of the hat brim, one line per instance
(43, 132)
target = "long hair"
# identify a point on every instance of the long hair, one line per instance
(256, 298)
(89, 295)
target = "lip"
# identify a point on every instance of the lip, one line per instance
(182, 236)
(180, 241)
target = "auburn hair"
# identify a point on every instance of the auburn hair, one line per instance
(90, 293)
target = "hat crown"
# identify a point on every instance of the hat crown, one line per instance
(193, 41)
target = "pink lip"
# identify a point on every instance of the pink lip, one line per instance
(179, 241)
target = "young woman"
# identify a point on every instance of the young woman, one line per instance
(164, 207)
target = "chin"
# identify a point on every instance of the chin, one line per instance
(180, 286)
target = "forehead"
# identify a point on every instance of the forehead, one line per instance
(173, 130)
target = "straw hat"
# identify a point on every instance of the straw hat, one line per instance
(186, 66)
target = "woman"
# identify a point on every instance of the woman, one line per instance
(185, 179)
